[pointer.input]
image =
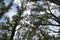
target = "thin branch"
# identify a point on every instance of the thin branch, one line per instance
(50, 24)
(55, 1)
(52, 30)
(56, 18)
(51, 12)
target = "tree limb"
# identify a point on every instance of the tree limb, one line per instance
(55, 1)
(55, 18)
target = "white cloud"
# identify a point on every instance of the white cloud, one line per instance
(18, 2)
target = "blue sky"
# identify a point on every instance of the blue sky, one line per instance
(7, 2)
(57, 13)
(13, 9)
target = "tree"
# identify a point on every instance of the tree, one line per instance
(3, 9)
(33, 26)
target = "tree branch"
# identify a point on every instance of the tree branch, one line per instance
(55, 18)
(55, 1)
(52, 30)
(13, 30)
(50, 24)
(17, 21)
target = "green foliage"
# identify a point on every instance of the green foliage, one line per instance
(4, 8)
(5, 37)
(30, 26)
(45, 16)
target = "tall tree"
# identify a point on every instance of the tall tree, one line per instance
(33, 26)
